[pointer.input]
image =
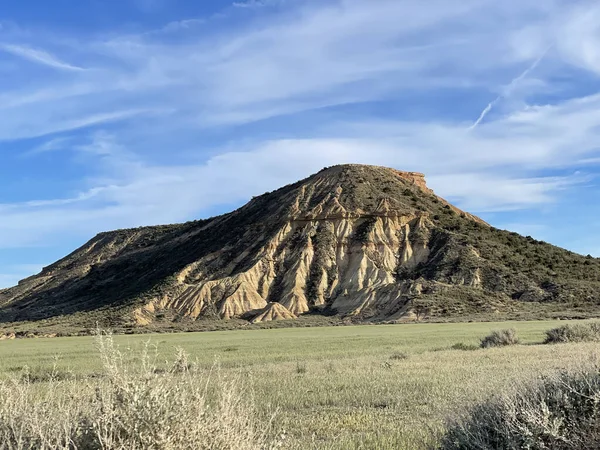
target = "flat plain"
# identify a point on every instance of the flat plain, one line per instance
(346, 387)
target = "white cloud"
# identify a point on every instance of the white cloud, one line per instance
(313, 55)
(319, 54)
(579, 36)
(490, 169)
(45, 121)
(255, 3)
(38, 56)
(177, 26)
(52, 145)
(485, 192)
(323, 54)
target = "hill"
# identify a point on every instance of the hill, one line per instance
(354, 241)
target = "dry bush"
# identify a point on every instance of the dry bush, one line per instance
(134, 406)
(581, 332)
(500, 338)
(561, 412)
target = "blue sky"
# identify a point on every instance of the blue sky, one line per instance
(121, 113)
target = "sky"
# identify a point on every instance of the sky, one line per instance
(123, 113)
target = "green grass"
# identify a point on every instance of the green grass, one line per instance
(340, 387)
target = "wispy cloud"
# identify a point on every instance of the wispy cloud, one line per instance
(502, 175)
(46, 122)
(176, 121)
(39, 56)
(306, 56)
(507, 91)
(49, 146)
(257, 3)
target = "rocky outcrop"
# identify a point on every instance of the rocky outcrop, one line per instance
(416, 178)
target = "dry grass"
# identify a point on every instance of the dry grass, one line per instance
(333, 388)
(132, 406)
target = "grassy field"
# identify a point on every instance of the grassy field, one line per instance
(371, 387)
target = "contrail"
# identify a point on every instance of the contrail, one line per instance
(509, 88)
(38, 56)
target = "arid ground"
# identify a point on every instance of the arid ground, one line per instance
(371, 387)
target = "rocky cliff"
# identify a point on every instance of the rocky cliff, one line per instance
(358, 241)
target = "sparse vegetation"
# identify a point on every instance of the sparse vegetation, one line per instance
(131, 406)
(580, 332)
(500, 338)
(559, 412)
(354, 394)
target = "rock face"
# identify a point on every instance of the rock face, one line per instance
(273, 311)
(416, 178)
(361, 241)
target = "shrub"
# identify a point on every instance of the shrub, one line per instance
(500, 338)
(133, 406)
(464, 347)
(561, 412)
(581, 332)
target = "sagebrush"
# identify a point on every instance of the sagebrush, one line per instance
(580, 332)
(131, 406)
(559, 412)
(500, 338)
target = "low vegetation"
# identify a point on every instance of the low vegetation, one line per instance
(559, 412)
(464, 347)
(329, 388)
(500, 338)
(131, 406)
(581, 332)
